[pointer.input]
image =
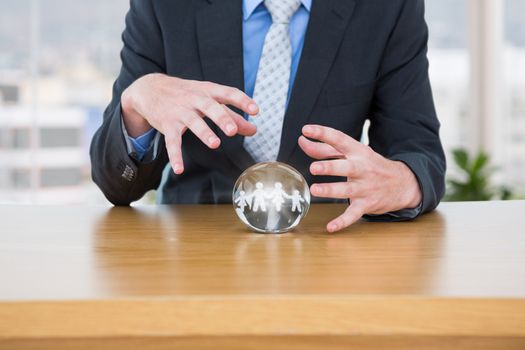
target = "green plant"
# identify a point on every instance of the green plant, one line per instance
(474, 183)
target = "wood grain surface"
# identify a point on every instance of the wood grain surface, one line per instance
(194, 277)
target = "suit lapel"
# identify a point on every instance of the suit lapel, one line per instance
(219, 31)
(326, 27)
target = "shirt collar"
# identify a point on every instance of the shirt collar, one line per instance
(248, 6)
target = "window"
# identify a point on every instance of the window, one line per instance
(21, 178)
(449, 67)
(9, 94)
(513, 133)
(58, 61)
(59, 137)
(477, 69)
(60, 177)
(20, 138)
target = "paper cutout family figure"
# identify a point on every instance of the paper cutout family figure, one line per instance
(257, 199)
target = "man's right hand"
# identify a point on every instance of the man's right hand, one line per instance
(172, 105)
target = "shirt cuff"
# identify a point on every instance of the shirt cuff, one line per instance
(139, 146)
(400, 215)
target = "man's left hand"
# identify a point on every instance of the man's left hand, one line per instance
(374, 184)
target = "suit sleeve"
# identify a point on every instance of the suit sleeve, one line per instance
(124, 177)
(403, 121)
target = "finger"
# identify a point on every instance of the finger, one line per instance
(337, 139)
(231, 96)
(318, 150)
(339, 190)
(173, 146)
(337, 167)
(199, 127)
(351, 215)
(216, 112)
(245, 128)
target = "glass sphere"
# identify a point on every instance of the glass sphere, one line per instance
(271, 197)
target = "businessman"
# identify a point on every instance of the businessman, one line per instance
(213, 86)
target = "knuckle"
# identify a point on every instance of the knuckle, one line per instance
(208, 105)
(207, 85)
(345, 220)
(363, 164)
(174, 154)
(234, 94)
(168, 139)
(327, 167)
(195, 124)
(349, 190)
(162, 126)
(348, 167)
(174, 151)
(178, 129)
(172, 142)
(182, 97)
(229, 96)
(341, 137)
(203, 86)
(224, 118)
(330, 191)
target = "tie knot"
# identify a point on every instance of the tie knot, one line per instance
(282, 10)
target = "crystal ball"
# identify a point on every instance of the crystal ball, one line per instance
(271, 197)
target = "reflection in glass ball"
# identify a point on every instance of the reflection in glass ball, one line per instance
(271, 197)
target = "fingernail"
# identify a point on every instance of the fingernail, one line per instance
(213, 140)
(317, 189)
(252, 108)
(230, 128)
(177, 168)
(308, 129)
(317, 168)
(332, 227)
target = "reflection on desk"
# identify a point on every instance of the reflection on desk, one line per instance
(453, 278)
(174, 252)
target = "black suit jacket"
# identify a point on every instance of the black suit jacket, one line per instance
(362, 59)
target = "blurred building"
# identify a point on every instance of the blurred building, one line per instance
(42, 163)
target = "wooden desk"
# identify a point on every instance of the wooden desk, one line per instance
(194, 277)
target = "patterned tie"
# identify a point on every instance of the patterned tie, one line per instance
(271, 85)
